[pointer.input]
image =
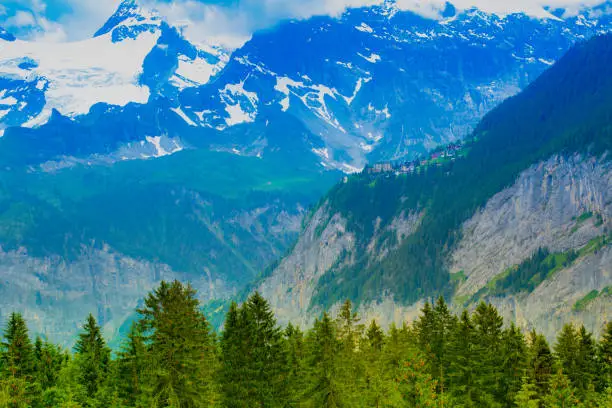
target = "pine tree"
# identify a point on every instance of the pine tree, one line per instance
(375, 337)
(444, 324)
(17, 350)
(540, 362)
(181, 347)
(348, 327)
(295, 350)
(132, 368)
(349, 367)
(527, 396)
(93, 357)
(235, 356)
(605, 358)
(418, 387)
(463, 361)
(514, 363)
(567, 353)
(424, 328)
(324, 348)
(18, 364)
(587, 364)
(49, 360)
(488, 341)
(381, 387)
(562, 394)
(268, 363)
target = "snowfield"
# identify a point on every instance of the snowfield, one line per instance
(81, 74)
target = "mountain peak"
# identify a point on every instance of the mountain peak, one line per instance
(129, 20)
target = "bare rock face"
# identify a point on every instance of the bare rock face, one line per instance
(324, 244)
(541, 210)
(291, 286)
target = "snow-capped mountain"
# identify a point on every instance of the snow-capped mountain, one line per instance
(376, 83)
(134, 55)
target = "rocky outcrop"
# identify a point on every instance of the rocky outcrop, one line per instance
(326, 243)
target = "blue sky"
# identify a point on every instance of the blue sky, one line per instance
(229, 20)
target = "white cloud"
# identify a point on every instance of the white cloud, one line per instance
(231, 23)
(30, 18)
(87, 16)
(22, 19)
(502, 7)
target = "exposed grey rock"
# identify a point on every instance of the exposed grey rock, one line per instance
(539, 211)
(291, 286)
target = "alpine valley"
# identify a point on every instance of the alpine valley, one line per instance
(141, 154)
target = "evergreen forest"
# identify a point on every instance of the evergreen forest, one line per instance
(172, 357)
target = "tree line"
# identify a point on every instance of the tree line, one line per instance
(173, 358)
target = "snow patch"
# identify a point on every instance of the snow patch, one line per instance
(364, 28)
(182, 114)
(194, 72)
(81, 74)
(240, 104)
(372, 58)
(322, 152)
(9, 100)
(160, 151)
(380, 112)
(312, 96)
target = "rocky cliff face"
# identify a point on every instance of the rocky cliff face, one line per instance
(322, 244)
(545, 208)
(559, 204)
(540, 210)
(325, 243)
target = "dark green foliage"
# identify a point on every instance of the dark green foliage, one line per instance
(18, 360)
(93, 357)
(132, 367)
(540, 362)
(605, 358)
(514, 364)
(180, 347)
(255, 368)
(297, 370)
(170, 358)
(577, 353)
(18, 363)
(50, 359)
(529, 274)
(324, 345)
